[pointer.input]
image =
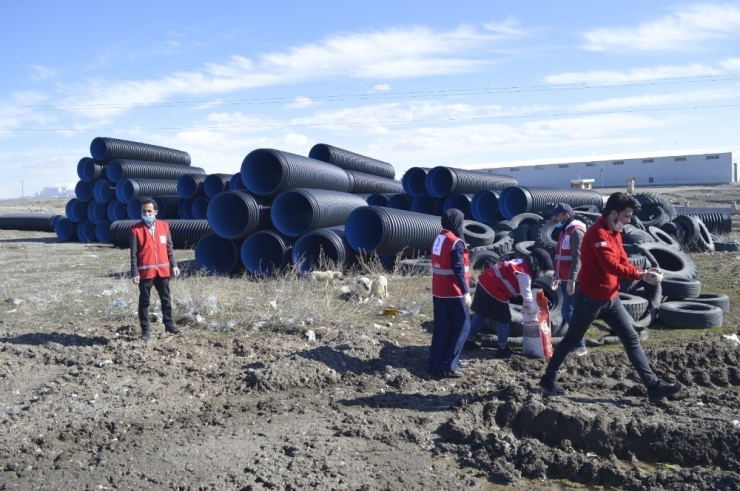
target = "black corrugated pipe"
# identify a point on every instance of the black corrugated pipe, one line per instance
(400, 201)
(66, 230)
(102, 232)
(716, 222)
(116, 210)
(75, 210)
(380, 199)
(414, 179)
(133, 208)
(185, 233)
(91, 170)
(461, 202)
(314, 249)
(443, 181)
(190, 186)
(268, 172)
(484, 206)
(103, 191)
(297, 211)
(141, 169)
(518, 199)
(84, 191)
(31, 222)
(236, 183)
(97, 212)
(81, 167)
(370, 184)
(388, 232)
(427, 204)
(218, 256)
(184, 208)
(104, 149)
(236, 214)
(199, 208)
(266, 252)
(216, 183)
(86, 231)
(167, 206)
(351, 161)
(127, 189)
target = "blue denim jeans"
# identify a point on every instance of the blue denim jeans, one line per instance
(502, 329)
(566, 309)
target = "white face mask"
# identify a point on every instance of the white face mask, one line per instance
(618, 226)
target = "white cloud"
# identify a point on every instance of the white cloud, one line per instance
(634, 75)
(682, 30)
(381, 88)
(730, 64)
(301, 102)
(508, 28)
(685, 97)
(41, 73)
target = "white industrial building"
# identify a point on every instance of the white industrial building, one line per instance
(691, 168)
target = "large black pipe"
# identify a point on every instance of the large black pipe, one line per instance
(103, 191)
(84, 191)
(461, 202)
(76, 210)
(268, 172)
(400, 201)
(190, 186)
(116, 210)
(199, 208)
(716, 222)
(484, 206)
(31, 222)
(414, 180)
(217, 255)
(443, 181)
(97, 212)
(91, 170)
(127, 189)
(388, 232)
(66, 230)
(266, 252)
(371, 184)
(427, 204)
(236, 214)
(380, 199)
(141, 169)
(104, 149)
(322, 248)
(185, 233)
(297, 211)
(351, 161)
(167, 206)
(519, 199)
(216, 183)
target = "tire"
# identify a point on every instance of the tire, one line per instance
(635, 306)
(675, 264)
(503, 244)
(587, 217)
(680, 288)
(521, 233)
(587, 209)
(716, 299)
(722, 246)
(528, 218)
(656, 199)
(636, 222)
(660, 236)
(481, 259)
(477, 234)
(706, 243)
(638, 260)
(633, 235)
(670, 228)
(504, 226)
(688, 230)
(546, 235)
(523, 249)
(653, 216)
(690, 315)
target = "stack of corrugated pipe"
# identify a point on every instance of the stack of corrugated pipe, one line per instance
(112, 184)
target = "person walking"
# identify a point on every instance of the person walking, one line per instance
(568, 261)
(450, 295)
(496, 286)
(604, 262)
(152, 262)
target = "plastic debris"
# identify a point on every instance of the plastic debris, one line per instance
(311, 335)
(733, 339)
(212, 302)
(736, 423)
(119, 304)
(273, 303)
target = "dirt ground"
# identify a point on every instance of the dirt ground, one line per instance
(236, 405)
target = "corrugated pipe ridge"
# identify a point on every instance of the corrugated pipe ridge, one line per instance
(127, 189)
(167, 206)
(89, 169)
(379, 199)
(31, 222)
(443, 181)
(400, 201)
(190, 186)
(217, 255)
(484, 206)
(716, 222)
(141, 169)
(268, 172)
(236, 214)
(103, 191)
(104, 149)
(313, 250)
(460, 202)
(75, 210)
(414, 179)
(66, 230)
(216, 183)
(84, 191)
(351, 161)
(427, 204)
(185, 233)
(297, 211)
(519, 199)
(266, 252)
(388, 232)
(363, 183)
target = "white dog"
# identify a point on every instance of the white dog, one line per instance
(365, 288)
(379, 287)
(326, 276)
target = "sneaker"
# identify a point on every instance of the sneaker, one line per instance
(471, 345)
(505, 352)
(172, 330)
(551, 387)
(452, 374)
(581, 351)
(662, 389)
(145, 336)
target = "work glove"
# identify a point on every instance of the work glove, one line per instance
(530, 307)
(135, 279)
(555, 283)
(468, 300)
(571, 287)
(176, 271)
(652, 277)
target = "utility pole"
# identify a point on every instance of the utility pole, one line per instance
(22, 194)
(602, 177)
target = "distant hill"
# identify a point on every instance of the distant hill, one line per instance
(64, 192)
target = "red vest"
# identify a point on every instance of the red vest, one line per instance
(500, 280)
(564, 252)
(152, 256)
(444, 281)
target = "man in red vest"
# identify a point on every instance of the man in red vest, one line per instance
(604, 263)
(151, 263)
(451, 296)
(568, 260)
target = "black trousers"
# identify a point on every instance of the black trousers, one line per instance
(585, 311)
(162, 285)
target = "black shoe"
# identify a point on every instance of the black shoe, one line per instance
(172, 330)
(450, 374)
(662, 389)
(471, 345)
(145, 336)
(505, 352)
(551, 387)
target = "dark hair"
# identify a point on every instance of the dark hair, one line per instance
(149, 201)
(619, 202)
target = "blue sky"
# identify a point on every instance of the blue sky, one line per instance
(467, 83)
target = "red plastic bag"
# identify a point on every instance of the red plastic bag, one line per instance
(543, 319)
